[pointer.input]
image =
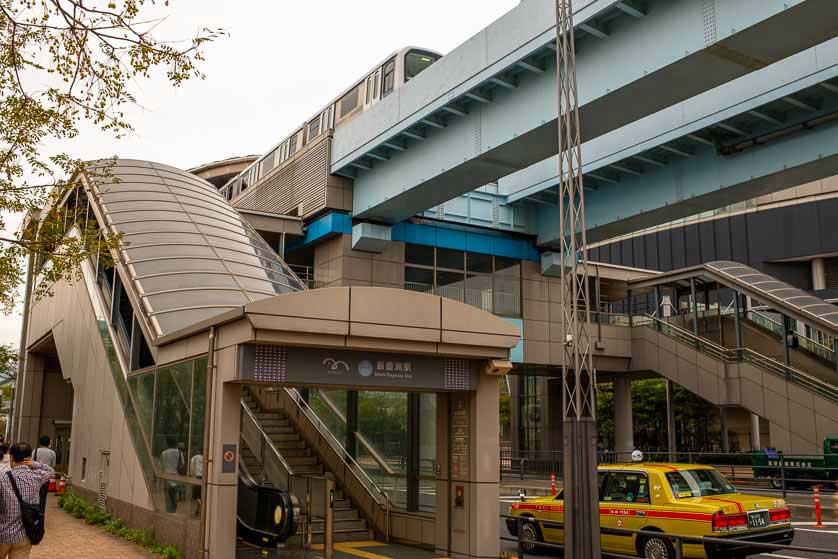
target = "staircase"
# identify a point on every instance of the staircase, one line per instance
(349, 524)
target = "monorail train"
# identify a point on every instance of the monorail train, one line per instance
(396, 70)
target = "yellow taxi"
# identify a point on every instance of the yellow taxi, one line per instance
(680, 499)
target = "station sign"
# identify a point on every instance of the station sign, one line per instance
(297, 366)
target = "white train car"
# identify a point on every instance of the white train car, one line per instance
(393, 72)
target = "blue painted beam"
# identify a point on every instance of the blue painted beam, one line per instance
(704, 182)
(687, 119)
(678, 50)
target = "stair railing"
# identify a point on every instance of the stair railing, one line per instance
(360, 437)
(743, 354)
(380, 496)
(276, 468)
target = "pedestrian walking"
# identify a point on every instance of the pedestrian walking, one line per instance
(45, 455)
(19, 490)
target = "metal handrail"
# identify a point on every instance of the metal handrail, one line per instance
(778, 325)
(744, 354)
(339, 449)
(360, 437)
(266, 439)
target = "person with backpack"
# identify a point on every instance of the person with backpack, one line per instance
(21, 519)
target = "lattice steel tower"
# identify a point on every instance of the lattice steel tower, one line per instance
(581, 499)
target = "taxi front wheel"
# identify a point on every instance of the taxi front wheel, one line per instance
(530, 536)
(658, 548)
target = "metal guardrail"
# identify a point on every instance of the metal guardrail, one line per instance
(739, 355)
(776, 327)
(677, 541)
(769, 467)
(260, 444)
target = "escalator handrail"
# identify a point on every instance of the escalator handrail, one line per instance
(735, 355)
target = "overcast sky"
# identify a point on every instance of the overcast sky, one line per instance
(282, 61)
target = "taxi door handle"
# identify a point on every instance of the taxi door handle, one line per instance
(640, 513)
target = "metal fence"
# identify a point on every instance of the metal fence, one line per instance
(527, 546)
(771, 469)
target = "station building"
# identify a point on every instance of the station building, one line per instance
(253, 333)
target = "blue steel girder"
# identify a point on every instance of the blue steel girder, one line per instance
(725, 118)
(679, 49)
(704, 182)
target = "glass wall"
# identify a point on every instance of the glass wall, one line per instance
(491, 283)
(170, 403)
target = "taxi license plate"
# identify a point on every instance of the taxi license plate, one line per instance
(757, 519)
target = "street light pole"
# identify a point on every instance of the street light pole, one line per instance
(581, 498)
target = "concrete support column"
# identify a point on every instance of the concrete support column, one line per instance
(222, 471)
(623, 424)
(723, 428)
(818, 274)
(670, 421)
(756, 444)
(475, 478)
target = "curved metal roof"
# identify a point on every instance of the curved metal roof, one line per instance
(189, 254)
(775, 291)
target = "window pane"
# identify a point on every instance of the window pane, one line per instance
(447, 258)
(349, 102)
(507, 295)
(199, 403)
(142, 389)
(480, 263)
(382, 420)
(389, 80)
(626, 488)
(416, 62)
(427, 452)
(479, 291)
(419, 279)
(419, 254)
(172, 418)
(507, 266)
(450, 285)
(330, 407)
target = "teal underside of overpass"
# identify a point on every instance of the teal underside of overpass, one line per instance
(488, 109)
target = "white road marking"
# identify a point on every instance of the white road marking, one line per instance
(781, 556)
(816, 531)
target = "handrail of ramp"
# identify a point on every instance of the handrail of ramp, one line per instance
(345, 457)
(360, 437)
(379, 496)
(261, 445)
(743, 354)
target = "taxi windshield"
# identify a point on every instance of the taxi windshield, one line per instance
(698, 483)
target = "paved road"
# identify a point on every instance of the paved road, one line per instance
(806, 535)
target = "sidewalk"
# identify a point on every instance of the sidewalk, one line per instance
(70, 538)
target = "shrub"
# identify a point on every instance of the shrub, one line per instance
(79, 508)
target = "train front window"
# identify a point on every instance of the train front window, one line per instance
(415, 62)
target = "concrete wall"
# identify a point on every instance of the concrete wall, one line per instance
(98, 421)
(337, 265)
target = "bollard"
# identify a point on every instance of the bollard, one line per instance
(329, 524)
(553, 484)
(818, 519)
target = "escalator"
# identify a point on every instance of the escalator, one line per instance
(266, 516)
